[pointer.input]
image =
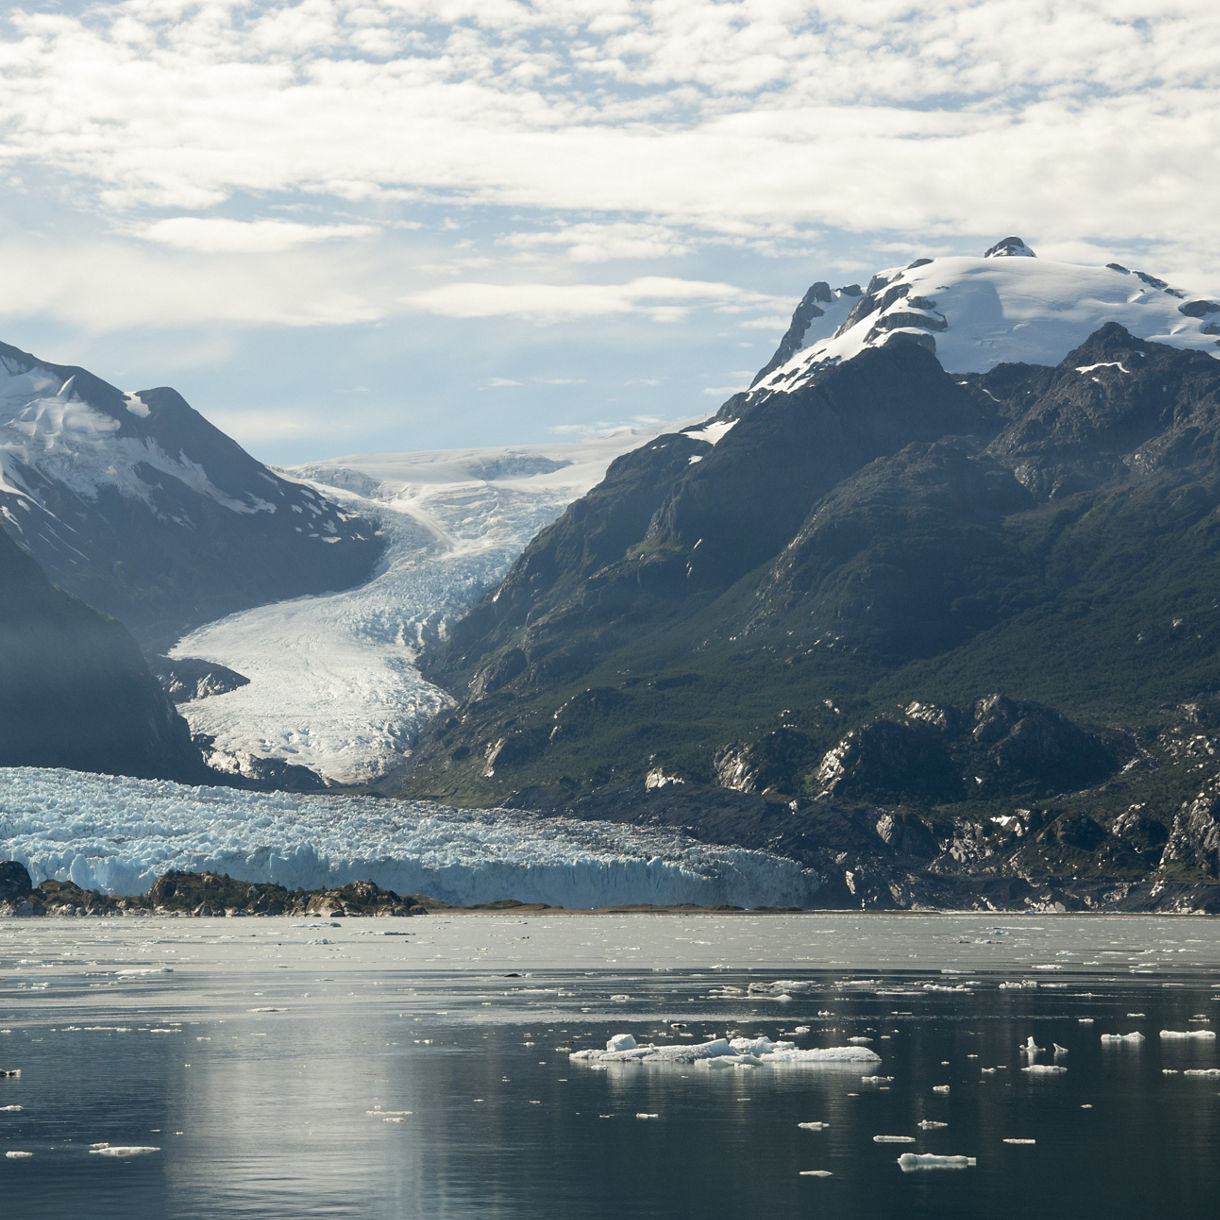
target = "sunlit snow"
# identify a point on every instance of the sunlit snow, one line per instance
(991, 310)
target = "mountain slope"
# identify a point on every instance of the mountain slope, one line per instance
(74, 688)
(888, 588)
(139, 506)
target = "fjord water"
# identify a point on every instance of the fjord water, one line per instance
(420, 1067)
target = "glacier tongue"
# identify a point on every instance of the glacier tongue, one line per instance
(333, 686)
(118, 835)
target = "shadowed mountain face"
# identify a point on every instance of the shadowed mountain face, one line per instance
(74, 688)
(138, 505)
(892, 586)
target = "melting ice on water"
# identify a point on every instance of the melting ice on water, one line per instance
(726, 1053)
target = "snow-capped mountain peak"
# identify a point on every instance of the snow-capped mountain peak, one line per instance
(1010, 247)
(137, 504)
(977, 312)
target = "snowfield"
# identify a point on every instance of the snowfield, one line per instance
(118, 835)
(333, 684)
(979, 312)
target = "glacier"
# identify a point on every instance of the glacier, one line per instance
(333, 684)
(117, 835)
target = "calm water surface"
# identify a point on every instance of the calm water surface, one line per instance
(420, 1068)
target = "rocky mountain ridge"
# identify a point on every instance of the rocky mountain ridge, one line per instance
(968, 608)
(136, 504)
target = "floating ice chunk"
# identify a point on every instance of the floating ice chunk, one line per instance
(816, 1173)
(1058, 1050)
(940, 1088)
(1044, 1069)
(788, 987)
(622, 1042)
(9, 1073)
(9, 1109)
(643, 1115)
(1201, 1072)
(910, 1161)
(122, 1150)
(859, 1039)
(930, 1124)
(876, 1080)
(725, 1052)
(1188, 1033)
(813, 1126)
(18, 1154)
(1030, 1047)
(1013, 1139)
(802, 1029)
(893, 1139)
(1133, 1036)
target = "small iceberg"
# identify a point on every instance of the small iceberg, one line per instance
(1133, 1036)
(727, 1053)
(122, 1150)
(908, 1162)
(1188, 1033)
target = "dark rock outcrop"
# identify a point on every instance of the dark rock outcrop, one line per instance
(74, 688)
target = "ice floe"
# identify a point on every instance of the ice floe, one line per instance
(910, 1161)
(123, 1150)
(726, 1053)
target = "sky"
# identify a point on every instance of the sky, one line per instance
(354, 226)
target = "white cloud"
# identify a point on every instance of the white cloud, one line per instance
(729, 117)
(78, 282)
(661, 298)
(212, 235)
(549, 141)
